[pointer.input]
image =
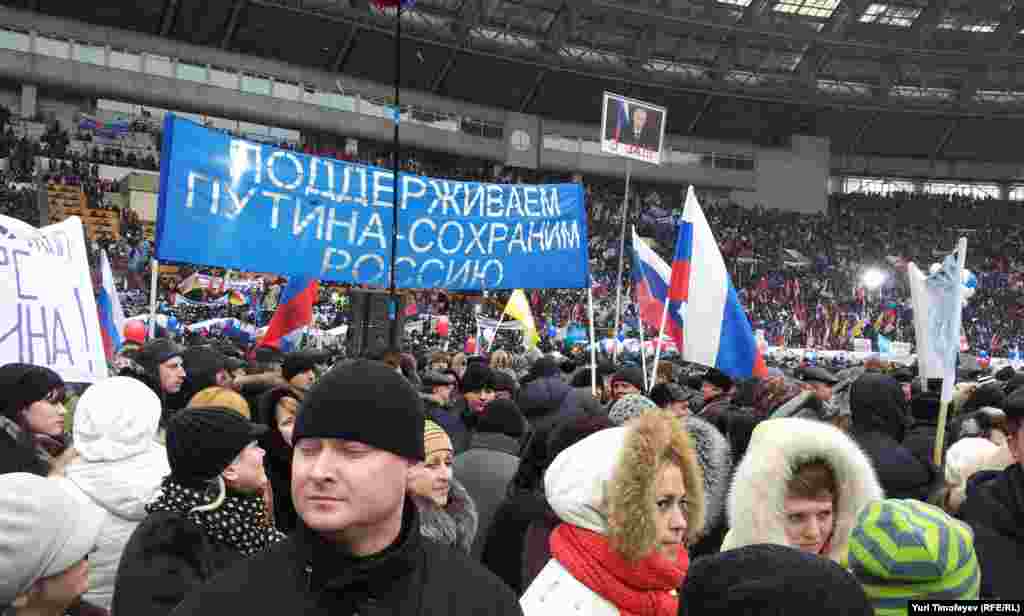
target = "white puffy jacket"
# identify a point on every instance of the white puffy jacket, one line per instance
(120, 469)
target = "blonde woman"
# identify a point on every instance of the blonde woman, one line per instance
(630, 499)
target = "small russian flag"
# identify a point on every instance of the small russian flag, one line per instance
(108, 304)
(294, 313)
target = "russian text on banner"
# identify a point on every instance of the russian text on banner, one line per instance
(249, 206)
(48, 316)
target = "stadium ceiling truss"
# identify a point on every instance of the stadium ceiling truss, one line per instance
(859, 71)
(953, 57)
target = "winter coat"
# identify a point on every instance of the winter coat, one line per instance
(119, 470)
(715, 458)
(715, 408)
(777, 447)
(546, 402)
(920, 440)
(307, 575)
(485, 470)
(167, 558)
(17, 451)
(603, 484)
(879, 427)
(504, 551)
(455, 524)
(277, 463)
(995, 510)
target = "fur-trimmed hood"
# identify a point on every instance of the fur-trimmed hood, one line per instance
(605, 482)
(777, 447)
(456, 524)
(715, 457)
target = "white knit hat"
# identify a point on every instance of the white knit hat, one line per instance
(47, 527)
(115, 419)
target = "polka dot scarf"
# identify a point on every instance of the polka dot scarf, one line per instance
(240, 522)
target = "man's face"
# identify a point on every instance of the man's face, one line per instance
(710, 391)
(443, 393)
(172, 375)
(303, 380)
(822, 391)
(623, 388)
(347, 489)
(639, 117)
(679, 408)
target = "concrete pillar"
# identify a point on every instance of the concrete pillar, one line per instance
(1004, 191)
(29, 100)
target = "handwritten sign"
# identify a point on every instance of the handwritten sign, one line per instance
(234, 203)
(48, 315)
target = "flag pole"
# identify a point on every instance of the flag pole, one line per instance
(940, 436)
(643, 351)
(657, 351)
(396, 334)
(155, 265)
(593, 342)
(497, 329)
(622, 255)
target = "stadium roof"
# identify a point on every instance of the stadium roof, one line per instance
(920, 78)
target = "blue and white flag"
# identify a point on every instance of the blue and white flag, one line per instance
(937, 312)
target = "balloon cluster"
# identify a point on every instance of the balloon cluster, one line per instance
(968, 281)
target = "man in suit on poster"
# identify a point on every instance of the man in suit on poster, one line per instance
(644, 128)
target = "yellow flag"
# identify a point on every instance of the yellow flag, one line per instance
(519, 309)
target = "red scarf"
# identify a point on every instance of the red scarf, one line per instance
(642, 588)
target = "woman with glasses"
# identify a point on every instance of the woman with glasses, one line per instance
(630, 500)
(32, 437)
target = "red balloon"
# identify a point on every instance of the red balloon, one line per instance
(442, 327)
(135, 331)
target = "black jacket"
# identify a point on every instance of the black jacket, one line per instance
(277, 463)
(452, 419)
(546, 402)
(20, 457)
(880, 422)
(920, 440)
(995, 510)
(309, 576)
(166, 559)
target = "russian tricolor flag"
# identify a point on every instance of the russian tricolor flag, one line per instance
(651, 277)
(294, 312)
(715, 330)
(108, 304)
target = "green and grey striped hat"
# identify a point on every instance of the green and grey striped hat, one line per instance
(904, 549)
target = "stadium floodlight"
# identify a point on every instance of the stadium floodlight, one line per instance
(873, 278)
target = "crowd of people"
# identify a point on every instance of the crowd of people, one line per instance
(218, 476)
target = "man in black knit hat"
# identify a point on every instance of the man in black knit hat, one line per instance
(357, 548)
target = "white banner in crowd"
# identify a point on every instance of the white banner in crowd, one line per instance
(48, 314)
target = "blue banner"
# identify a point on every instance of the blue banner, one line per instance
(243, 205)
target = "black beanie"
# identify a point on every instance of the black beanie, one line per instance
(631, 375)
(203, 441)
(773, 580)
(157, 352)
(502, 417)
(297, 363)
(477, 377)
(23, 384)
(365, 401)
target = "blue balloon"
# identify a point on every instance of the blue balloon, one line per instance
(172, 323)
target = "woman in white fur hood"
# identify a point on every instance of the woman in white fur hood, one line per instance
(800, 484)
(119, 469)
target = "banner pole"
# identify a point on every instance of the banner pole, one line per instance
(940, 435)
(643, 351)
(396, 334)
(622, 255)
(657, 352)
(593, 342)
(152, 297)
(497, 328)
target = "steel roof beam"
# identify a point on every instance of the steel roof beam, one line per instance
(1006, 33)
(947, 135)
(471, 14)
(924, 27)
(229, 32)
(534, 90)
(170, 12)
(345, 50)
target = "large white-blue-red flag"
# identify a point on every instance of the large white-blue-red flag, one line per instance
(108, 304)
(294, 313)
(715, 330)
(650, 281)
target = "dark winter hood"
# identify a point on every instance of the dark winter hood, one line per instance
(877, 405)
(999, 503)
(543, 396)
